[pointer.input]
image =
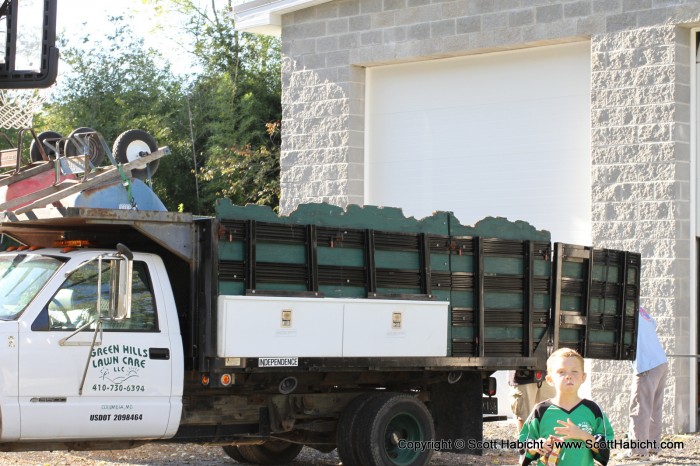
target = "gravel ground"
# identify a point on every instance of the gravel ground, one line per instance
(162, 454)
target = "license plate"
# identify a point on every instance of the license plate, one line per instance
(489, 405)
(278, 362)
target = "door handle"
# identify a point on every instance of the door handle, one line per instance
(159, 353)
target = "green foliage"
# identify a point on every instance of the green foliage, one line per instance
(214, 123)
(245, 175)
(122, 85)
(239, 89)
(118, 86)
(231, 102)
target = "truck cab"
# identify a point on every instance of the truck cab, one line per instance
(75, 369)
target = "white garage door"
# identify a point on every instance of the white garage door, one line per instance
(503, 134)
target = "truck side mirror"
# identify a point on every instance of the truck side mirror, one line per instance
(120, 286)
(30, 59)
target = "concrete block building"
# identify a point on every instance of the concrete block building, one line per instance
(577, 116)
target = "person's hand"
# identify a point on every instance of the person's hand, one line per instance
(547, 445)
(570, 431)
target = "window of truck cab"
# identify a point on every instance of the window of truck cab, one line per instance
(75, 303)
(22, 277)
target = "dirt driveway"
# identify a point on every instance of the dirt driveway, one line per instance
(687, 452)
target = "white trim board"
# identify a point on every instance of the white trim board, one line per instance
(694, 217)
(265, 16)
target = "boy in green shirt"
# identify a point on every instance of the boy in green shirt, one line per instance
(566, 430)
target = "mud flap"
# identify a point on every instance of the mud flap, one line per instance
(457, 411)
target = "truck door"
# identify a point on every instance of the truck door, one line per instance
(8, 380)
(120, 389)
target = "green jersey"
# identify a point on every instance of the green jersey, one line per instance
(587, 415)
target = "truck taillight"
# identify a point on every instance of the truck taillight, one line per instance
(226, 380)
(489, 386)
(205, 379)
(539, 376)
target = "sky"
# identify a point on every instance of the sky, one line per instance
(80, 17)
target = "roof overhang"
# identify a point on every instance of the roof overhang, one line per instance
(265, 16)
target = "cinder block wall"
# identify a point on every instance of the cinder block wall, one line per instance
(641, 188)
(640, 125)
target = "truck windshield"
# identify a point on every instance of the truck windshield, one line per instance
(22, 276)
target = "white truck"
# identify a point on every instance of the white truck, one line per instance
(356, 329)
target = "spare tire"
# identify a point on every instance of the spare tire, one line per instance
(132, 144)
(35, 152)
(94, 147)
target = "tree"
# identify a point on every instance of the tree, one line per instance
(117, 86)
(233, 103)
(215, 124)
(246, 175)
(121, 85)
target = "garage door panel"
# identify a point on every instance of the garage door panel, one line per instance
(504, 134)
(514, 126)
(509, 72)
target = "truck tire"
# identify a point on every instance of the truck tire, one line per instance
(35, 153)
(234, 454)
(345, 433)
(95, 149)
(271, 452)
(384, 422)
(132, 144)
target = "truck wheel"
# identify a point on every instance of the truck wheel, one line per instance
(35, 153)
(132, 144)
(95, 149)
(385, 423)
(271, 452)
(345, 434)
(233, 453)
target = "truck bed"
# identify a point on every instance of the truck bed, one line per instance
(510, 292)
